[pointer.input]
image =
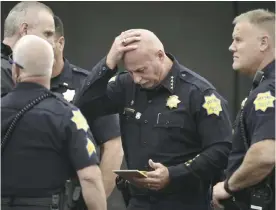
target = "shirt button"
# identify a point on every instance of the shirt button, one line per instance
(100, 73)
(88, 83)
(167, 122)
(145, 121)
(150, 101)
(103, 68)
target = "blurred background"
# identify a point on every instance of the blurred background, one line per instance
(198, 34)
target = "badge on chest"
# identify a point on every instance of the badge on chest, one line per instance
(69, 95)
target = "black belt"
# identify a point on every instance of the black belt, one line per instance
(21, 201)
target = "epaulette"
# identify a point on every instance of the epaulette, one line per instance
(195, 79)
(78, 69)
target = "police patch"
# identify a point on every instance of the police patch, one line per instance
(264, 101)
(90, 147)
(79, 120)
(112, 79)
(212, 105)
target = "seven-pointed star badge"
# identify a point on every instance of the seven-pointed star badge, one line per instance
(173, 101)
(69, 95)
(79, 120)
(264, 101)
(212, 105)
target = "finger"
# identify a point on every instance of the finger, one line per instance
(217, 204)
(155, 165)
(153, 180)
(153, 174)
(129, 40)
(129, 48)
(131, 33)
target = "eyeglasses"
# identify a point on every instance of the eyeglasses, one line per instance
(11, 61)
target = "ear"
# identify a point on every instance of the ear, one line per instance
(15, 73)
(264, 43)
(23, 30)
(160, 55)
(61, 42)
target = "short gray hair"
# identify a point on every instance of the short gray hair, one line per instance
(18, 15)
(259, 17)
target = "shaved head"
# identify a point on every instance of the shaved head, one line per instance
(148, 63)
(35, 55)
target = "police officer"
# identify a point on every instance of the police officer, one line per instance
(48, 142)
(174, 123)
(66, 80)
(19, 22)
(250, 173)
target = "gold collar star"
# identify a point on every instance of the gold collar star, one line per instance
(264, 101)
(173, 101)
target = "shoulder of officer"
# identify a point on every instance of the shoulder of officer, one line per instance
(189, 76)
(64, 102)
(123, 75)
(78, 70)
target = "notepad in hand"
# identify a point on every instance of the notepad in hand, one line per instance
(130, 174)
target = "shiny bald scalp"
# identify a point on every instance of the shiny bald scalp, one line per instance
(35, 55)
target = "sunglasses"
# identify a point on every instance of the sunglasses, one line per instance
(11, 61)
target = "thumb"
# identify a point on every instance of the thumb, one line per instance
(154, 165)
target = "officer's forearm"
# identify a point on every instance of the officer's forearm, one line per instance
(205, 166)
(91, 99)
(111, 159)
(257, 164)
(93, 190)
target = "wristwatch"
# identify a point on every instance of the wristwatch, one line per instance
(226, 187)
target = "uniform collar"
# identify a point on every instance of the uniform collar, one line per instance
(65, 77)
(5, 50)
(269, 70)
(170, 80)
(29, 86)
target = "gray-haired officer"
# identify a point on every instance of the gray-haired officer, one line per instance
(174, 123)
(250, 173)
(44, 139)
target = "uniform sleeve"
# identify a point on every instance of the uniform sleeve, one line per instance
(261, 116)
(98, 97)
(80, 147)
(105, 128)
(214, 130)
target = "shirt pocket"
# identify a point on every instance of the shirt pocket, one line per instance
(170, 120)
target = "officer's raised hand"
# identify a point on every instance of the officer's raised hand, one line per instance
(157, 179)
(122, 43)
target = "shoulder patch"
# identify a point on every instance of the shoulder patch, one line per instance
(212, 105)
(264, 101)
(79, 120)
(112, 79)
(90, 147)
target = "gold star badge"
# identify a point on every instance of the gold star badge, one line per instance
(212, 105)
(69, 95)
(90, 147)
(173, 101)
(79, 120)
(264, 101)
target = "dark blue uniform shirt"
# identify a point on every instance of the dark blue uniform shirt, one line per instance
(183, 123)
(259, 118)
(48, 145)
(67, 84)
